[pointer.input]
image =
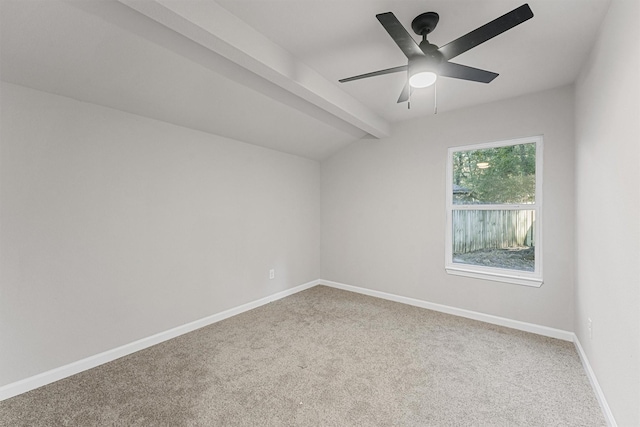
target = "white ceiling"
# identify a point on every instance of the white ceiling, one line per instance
(343, 38)
(265, 71)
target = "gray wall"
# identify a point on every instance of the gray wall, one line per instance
(383, 209)
(607, 236)
(115, 227)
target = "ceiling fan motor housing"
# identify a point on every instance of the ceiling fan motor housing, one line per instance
(431, 51)
(423, 63)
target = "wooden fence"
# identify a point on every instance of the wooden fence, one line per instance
(479, 229)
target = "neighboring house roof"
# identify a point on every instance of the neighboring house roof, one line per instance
(460, 190)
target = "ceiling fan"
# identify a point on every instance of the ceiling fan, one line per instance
(428, 61)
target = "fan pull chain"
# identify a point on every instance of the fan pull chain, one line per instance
(409, 101)
(435, 98)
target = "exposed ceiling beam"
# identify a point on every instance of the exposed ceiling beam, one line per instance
(210, 25)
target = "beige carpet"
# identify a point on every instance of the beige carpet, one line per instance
(332, 358)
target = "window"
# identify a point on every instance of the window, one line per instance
(494, 211)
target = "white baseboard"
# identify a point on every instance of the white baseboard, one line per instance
(44, 378)
(488, 318)
(606, 411)
(73, 368)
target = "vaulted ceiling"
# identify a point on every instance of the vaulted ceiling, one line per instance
(266, 72)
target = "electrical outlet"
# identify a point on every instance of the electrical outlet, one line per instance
(590, 326)
(272, 274)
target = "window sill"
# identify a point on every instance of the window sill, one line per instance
(535, 282)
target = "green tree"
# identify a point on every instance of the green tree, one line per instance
(497, 175)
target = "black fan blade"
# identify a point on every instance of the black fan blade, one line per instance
(397, 32)
(406, 91)
(375, 73)
(486, 32)
(458, 71)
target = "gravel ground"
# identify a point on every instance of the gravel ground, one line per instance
(521, 258)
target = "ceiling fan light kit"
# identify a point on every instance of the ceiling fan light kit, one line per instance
(422, 79)
(422, 72)
(426, 61)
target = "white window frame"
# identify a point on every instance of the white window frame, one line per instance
(518, 277)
